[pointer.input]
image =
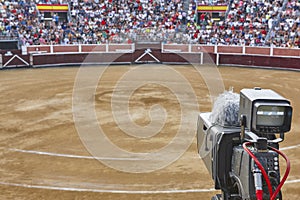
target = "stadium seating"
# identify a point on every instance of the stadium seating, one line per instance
(248, 22)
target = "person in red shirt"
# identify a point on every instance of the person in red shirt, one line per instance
(263, 31)
(103, 22)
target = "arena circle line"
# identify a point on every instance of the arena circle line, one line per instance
(96, 141)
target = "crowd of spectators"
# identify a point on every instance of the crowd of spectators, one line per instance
(287, 30)
(247, 22)
(253, 22)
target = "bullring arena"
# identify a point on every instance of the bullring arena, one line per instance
(43, 156)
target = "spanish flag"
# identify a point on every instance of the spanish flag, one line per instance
(216, 8)
(53, 7)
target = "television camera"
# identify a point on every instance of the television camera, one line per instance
(239, 143)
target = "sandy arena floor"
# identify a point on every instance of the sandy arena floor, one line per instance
(42, 156)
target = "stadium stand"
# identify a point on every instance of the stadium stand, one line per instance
(248, 22)
(285, 32)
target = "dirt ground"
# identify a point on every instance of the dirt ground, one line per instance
(42, 156)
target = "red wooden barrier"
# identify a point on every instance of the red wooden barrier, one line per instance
(65, 48)
(228, 55)
(176, 47)
(39, 48)
(230, 49)
(93, 48)
(257, 50)
(201, 48)
(286, 52)
(119, 47)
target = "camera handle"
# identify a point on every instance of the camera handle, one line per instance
(243, 122)
(252, 137)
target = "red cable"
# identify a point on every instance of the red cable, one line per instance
(287, 171)
(259, 165)
(259, 194)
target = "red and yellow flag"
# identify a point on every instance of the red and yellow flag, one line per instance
(216, 8)
(53, 7)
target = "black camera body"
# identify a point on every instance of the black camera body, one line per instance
(255, 115)
(242, 162)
